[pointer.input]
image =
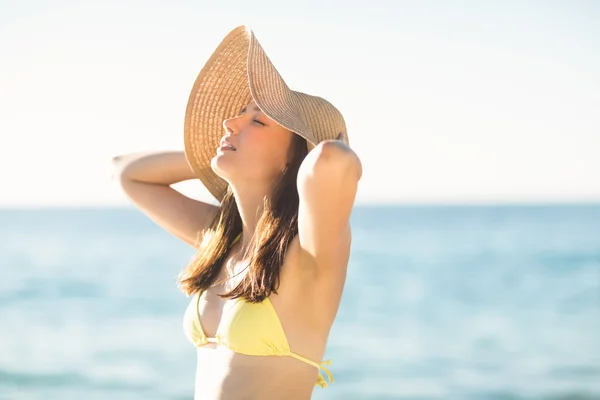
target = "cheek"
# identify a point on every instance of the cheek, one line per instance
(267, 157)
(270, 157)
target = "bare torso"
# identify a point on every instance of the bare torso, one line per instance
(223, 374)
(306, 305)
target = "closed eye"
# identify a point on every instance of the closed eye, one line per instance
(258, 122)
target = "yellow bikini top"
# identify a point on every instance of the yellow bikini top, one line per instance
(247, 328)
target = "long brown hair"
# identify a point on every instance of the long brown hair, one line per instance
(275, 229)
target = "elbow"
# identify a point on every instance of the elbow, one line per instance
(331, 157)
(335, 155)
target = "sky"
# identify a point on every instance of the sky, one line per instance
(445, 101)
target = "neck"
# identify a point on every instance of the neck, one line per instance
(250, 203)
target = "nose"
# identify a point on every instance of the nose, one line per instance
(228, 125)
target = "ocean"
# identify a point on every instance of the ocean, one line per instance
(441, 302)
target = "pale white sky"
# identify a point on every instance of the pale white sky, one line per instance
(445, 101)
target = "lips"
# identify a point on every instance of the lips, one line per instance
(224, 144)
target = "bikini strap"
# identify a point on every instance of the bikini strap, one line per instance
(321, 379)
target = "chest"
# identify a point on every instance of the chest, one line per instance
(212, 308)
(211, 305)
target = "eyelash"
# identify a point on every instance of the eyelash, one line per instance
(255, 120)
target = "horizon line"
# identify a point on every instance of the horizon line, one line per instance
(529, 203)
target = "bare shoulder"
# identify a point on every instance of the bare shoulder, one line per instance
(309, 292)
(304, 267)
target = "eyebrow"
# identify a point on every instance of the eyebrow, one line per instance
(255, 109)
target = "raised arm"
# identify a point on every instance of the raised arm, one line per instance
(327, 183)
(146, 179)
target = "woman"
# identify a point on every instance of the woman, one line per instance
(271, 259)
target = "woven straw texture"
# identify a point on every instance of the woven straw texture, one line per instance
(237, 72)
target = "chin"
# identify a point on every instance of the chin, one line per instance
(220, 166)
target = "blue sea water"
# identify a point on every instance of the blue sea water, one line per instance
(441, 302)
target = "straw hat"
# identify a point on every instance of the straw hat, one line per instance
(237, 72)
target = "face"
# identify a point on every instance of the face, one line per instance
(260, 148)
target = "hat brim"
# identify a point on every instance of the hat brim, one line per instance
(238, 72)
(220, 91)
